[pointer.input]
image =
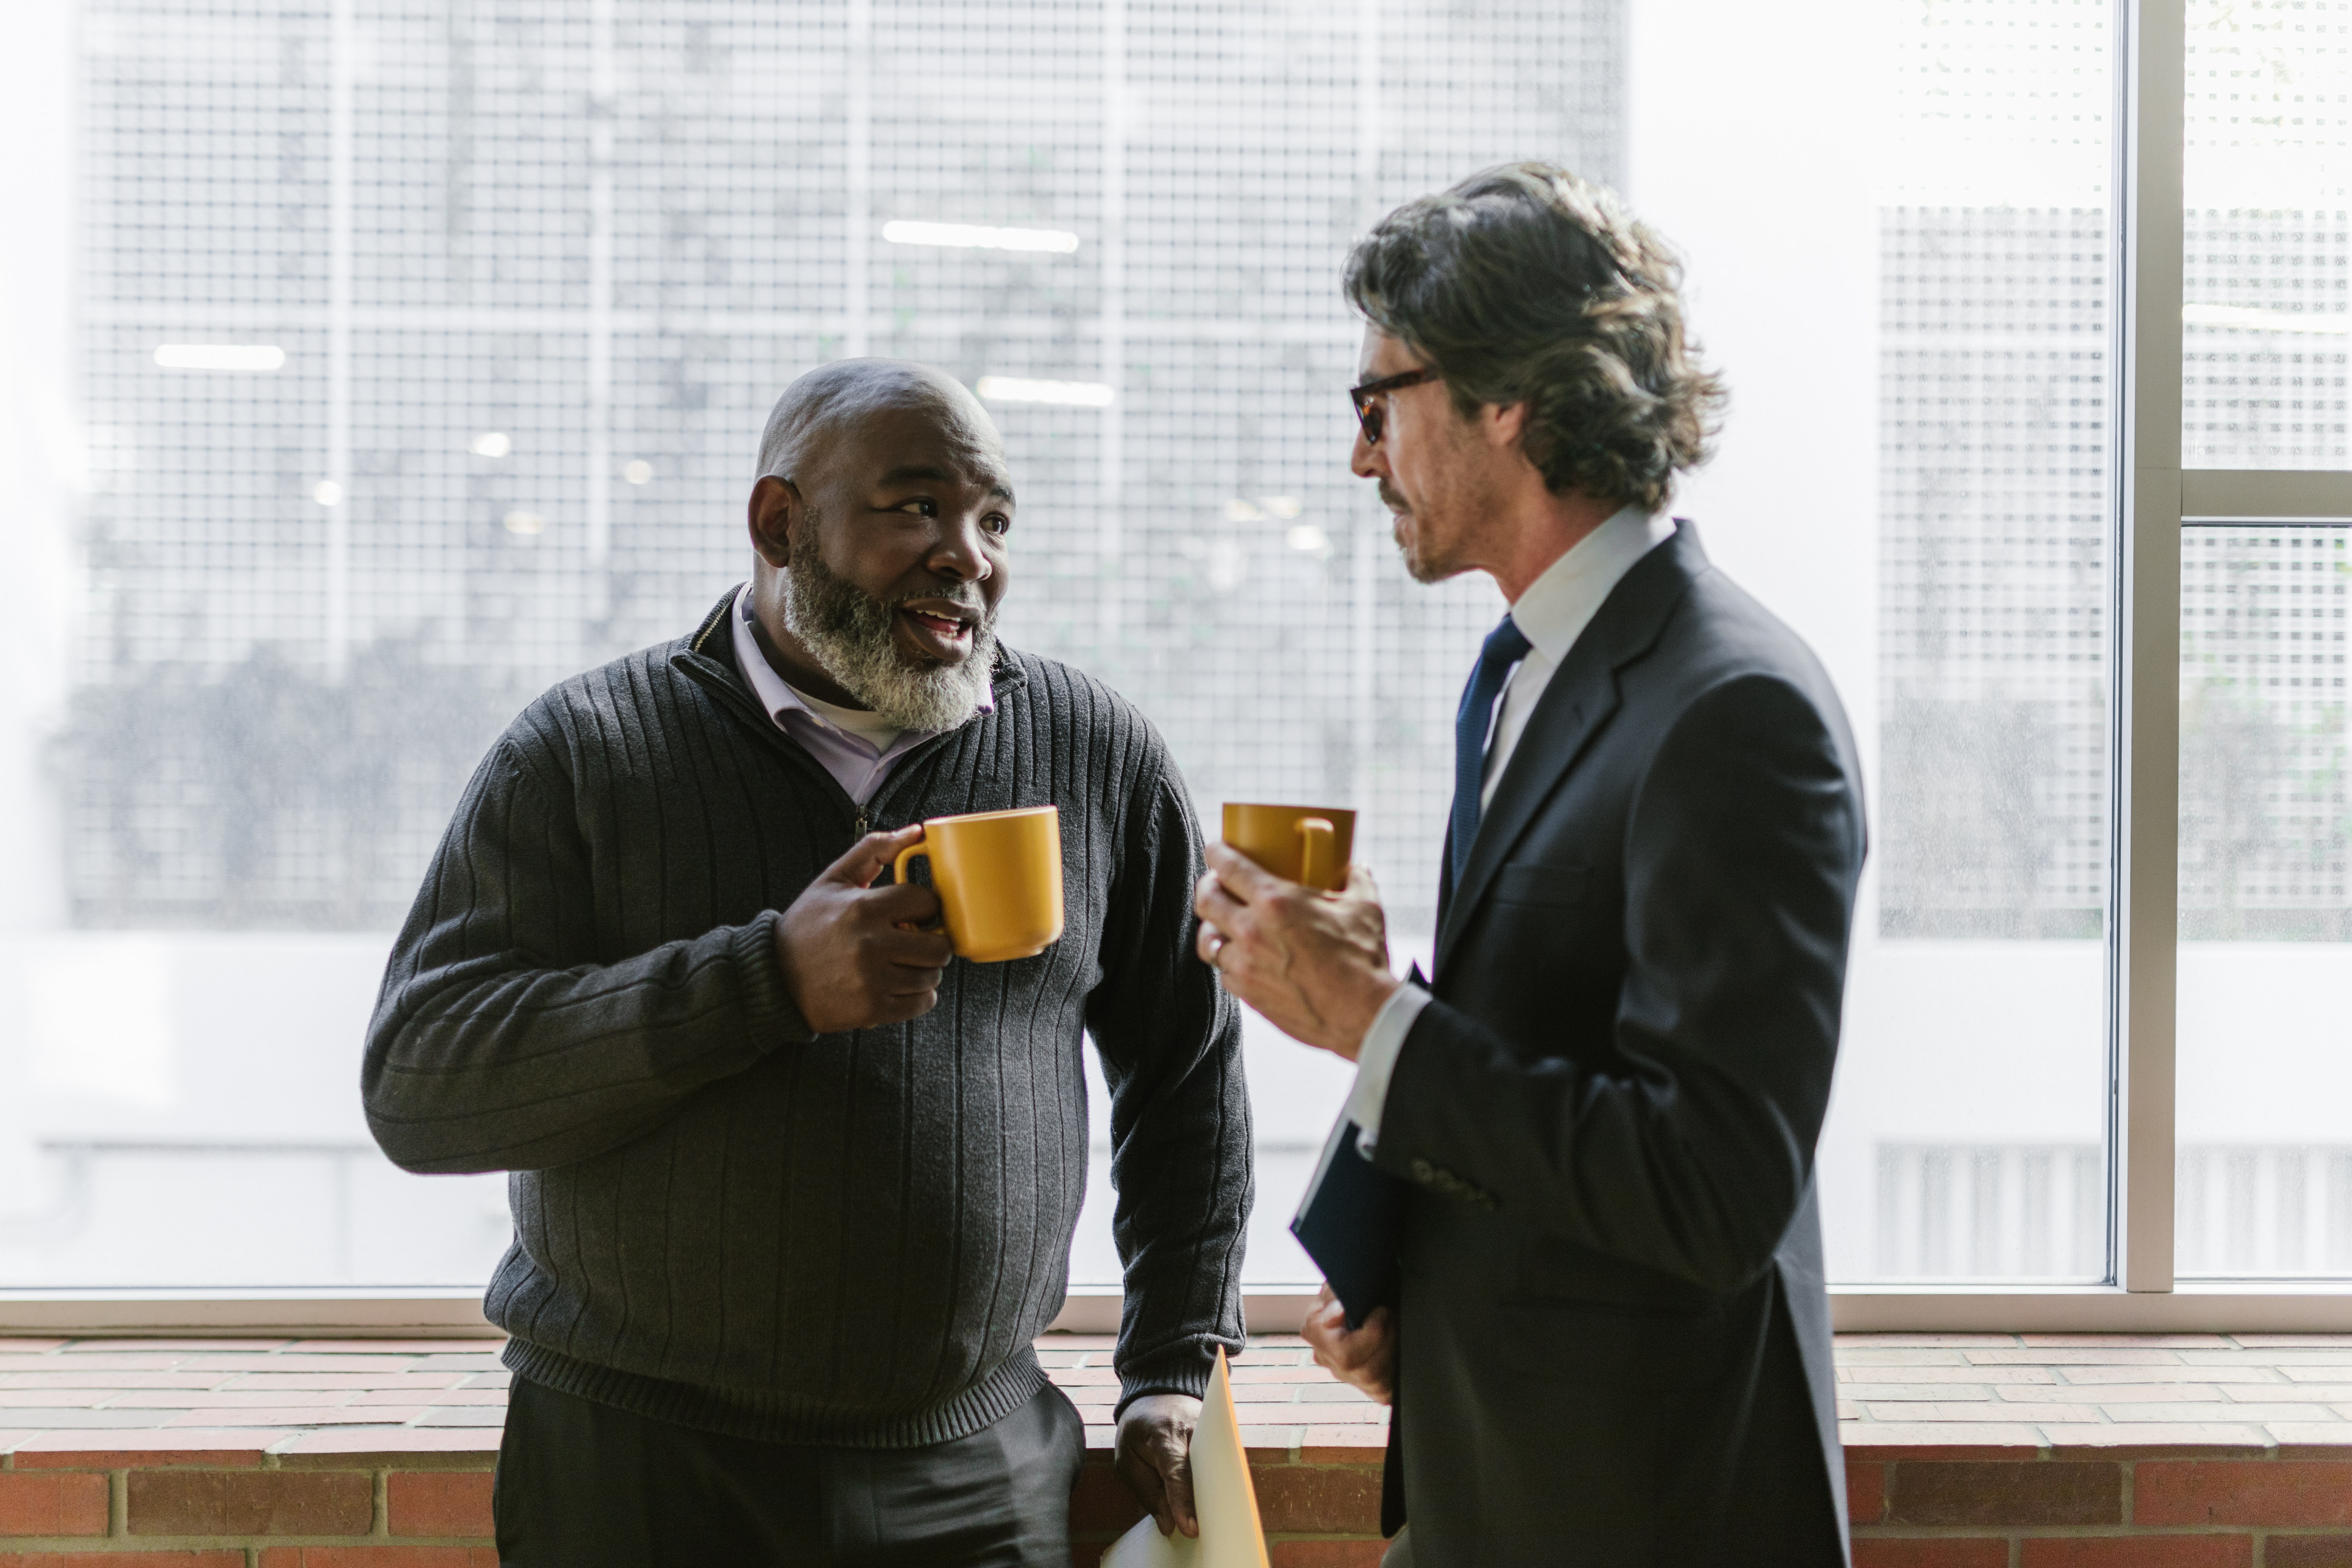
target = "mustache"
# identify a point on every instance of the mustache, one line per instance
(1390, 500)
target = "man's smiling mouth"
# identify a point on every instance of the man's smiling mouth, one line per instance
(943, 632)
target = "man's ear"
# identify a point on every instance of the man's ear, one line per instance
(775, 510)
(1505, 423)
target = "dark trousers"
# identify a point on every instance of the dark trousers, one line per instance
(582, 1485)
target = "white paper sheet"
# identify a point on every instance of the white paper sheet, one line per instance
(1145, 1547)
(1231, 1536)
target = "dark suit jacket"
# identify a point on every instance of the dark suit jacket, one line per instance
(1616, 1339)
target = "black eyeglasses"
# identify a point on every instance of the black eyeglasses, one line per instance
(1371, 412)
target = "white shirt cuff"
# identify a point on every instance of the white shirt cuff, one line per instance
(1376, 1059)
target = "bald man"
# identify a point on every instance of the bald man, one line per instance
(794, 1188)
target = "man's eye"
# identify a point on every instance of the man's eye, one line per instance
(921, 507)
(997, 522)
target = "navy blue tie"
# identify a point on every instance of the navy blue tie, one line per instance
(1505, 646)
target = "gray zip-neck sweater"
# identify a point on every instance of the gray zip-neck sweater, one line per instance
(724, 1221)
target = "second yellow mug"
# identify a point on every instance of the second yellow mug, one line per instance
(1307, 844)
(999, 877)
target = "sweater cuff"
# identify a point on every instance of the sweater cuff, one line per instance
(770, 1017)
(1181, 1369)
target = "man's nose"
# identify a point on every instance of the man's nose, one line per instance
(1365, 460)
(960, 552)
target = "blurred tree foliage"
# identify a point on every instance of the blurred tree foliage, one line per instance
(267, 798)
(1975, 823)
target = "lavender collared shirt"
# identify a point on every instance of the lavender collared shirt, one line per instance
(856, 764)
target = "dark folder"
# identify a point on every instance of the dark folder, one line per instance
(1347, 1223)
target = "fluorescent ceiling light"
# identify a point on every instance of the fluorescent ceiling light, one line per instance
(219, 356)
(491, 444)
(1306, 536)
(1241, 510)
(973, 237)
(1074, 394)
(326, 492)
(2242, 319)
(524, 522)
(638, 473)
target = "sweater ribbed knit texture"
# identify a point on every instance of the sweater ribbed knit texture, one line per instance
(851, 1238)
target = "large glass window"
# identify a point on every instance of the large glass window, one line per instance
(372, 366)
(2267, 299)
(418, 359)
(2264, 1177)
(1898, 220)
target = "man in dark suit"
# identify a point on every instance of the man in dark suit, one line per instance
(1611, 1343)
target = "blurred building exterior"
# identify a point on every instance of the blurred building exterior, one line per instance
(1997, 593)
(537, 271)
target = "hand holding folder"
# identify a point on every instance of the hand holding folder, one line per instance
(1347, 1221)
(1231, 1535)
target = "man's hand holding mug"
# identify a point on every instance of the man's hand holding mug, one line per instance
(1313, 960)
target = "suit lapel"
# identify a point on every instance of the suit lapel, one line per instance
(1579, 700)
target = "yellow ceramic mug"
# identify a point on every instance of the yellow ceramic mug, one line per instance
(999, 877)
(1307, 844)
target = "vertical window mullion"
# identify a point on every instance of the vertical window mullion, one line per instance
(2149, 664)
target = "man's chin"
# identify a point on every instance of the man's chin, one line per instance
(1408, 543)
(1423, 562)
(1418, 565)
(920, 656)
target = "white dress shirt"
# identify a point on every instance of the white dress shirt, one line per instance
(1551, 614)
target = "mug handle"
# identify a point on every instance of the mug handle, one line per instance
(1317, 834)
(898, 873)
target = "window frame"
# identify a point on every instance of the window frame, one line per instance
(2153, 499)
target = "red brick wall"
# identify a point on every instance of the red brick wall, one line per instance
(1320, 1506)
(221, 1508)
(1926, 1508)
(2080, 1508)
(232, 1509)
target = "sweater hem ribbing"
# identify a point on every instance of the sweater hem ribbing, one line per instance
(770, 1419)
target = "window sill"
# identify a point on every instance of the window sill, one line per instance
(2216, 1305)
(2219, 1306)
(451, 1312)
(2200, 1305)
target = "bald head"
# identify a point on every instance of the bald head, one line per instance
(847, 394)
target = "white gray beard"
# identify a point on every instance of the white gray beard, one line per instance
(852, 635)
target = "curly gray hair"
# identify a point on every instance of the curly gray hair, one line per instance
(1528, 283)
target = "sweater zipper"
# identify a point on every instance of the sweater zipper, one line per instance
(765, 728)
